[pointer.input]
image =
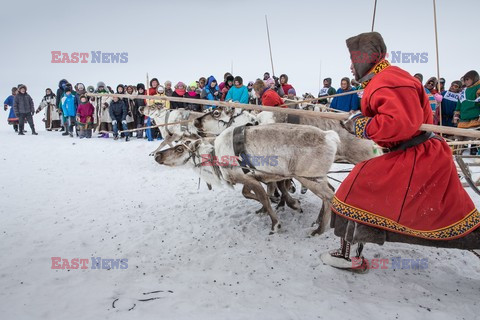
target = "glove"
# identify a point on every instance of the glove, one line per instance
(456, 116)
(349, 124)
(124, 121)
(114, 122)
(38, 110)
(438, 97)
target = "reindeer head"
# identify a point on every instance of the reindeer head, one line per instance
(152, 110)
(213, 122)
(180, 154)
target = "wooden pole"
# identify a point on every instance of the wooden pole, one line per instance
(438, 59)
(299, 112)
(269, 46)
(374, 12)
(160, 125)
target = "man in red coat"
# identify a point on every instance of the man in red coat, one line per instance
(269, 97)
(410, 194)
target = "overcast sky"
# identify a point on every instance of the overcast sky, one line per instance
(183, 40)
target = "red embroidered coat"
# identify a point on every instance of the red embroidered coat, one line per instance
(417, 191)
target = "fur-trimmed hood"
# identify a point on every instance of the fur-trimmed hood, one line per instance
(366, 50)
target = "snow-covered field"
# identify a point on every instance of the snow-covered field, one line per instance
(206, 253)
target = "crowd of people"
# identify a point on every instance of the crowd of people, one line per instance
(72, 112)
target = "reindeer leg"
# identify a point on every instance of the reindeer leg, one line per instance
(323, 190)
(247, 193)
(287, 198)
(262, 196)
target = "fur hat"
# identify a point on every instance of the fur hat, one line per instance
(370, 45)
(20, 86)
(180, 84)
(229, 78)
(239, 79)
(123, 88)
(140, 85)
(168, 82)
(101, 84)
(472, 74)
(226, 75)
(292, 91)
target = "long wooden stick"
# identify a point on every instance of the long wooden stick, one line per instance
(269, 46)
(299, 112)
(438, 59)
(321, 98)
(374, 12)
(160, 125)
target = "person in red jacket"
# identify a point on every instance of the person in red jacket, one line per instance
(268, 96)
(285, 85)
(411, 194)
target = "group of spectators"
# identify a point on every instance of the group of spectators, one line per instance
(71, 111)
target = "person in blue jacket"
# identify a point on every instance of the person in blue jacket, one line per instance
(69, 111)
(12, 118)
(239, 92)
(449, 103)
(211, 91)
(345, 103)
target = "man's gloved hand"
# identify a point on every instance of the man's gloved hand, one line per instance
(114, 122)
(349, 124)
(124, 121)
(38, 110)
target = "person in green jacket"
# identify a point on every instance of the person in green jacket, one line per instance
(467, 112)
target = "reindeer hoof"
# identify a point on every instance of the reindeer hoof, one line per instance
(280, 206)
(275, 227)
(318, 231)
(261, 211)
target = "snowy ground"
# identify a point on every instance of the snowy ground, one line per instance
(208, 252)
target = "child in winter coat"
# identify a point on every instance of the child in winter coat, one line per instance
(178, 93)
(85, 113)
(468, 106)
(239, 92)
(69, 111)
(211, 91)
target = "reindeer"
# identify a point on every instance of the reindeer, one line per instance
(305, 153)
(174, 132)
(352, 149)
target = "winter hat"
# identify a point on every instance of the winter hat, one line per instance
(472, 74)
(269, 82)
(226, 75)
(179, 84)
(140, 85)
(20, 86)
(347, 79)
(101, 84)
(61, 83)
(419, 76)
(229, 78)
(79, 86)
(329, 80)
(193, 85)
(68, 89)
(154, 79)
(123, 89)
(168, 82)
(239, 79)
(442, 80)
(292, 91)
(370, 44)
(284, 76)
